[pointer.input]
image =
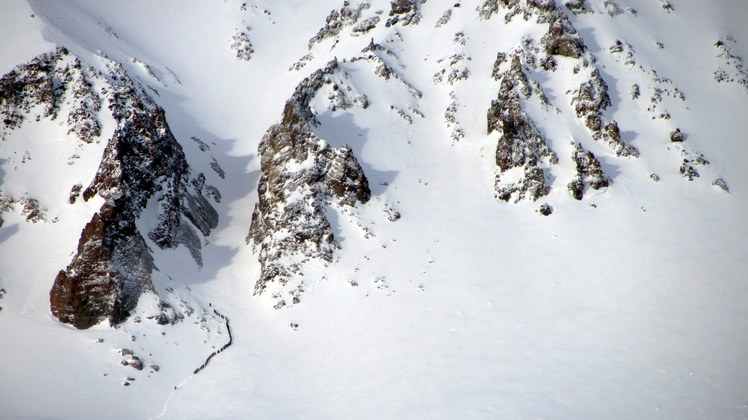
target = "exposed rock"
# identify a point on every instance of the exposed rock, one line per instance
(108, 274)
(487, 9)
(301, 173)
(405, 12)
(392, 214)
(142, 161)
(32, 210)
(691, 159)
(589, 172)
(454, 69)
(134, 362)
(676, 136)
(43, 85)
(589, 101)
(444, 19)
(562, 38)
(521, 148)
(732, 68)
(346, 16)
(577, 6)
(75, 192)
(545, 209)
(242, 45)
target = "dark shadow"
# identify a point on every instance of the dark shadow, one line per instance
(543, 80)
(613, 92)
(8, 231)
(589, 38)
(611, 166)
(628, 136)
(237, 184)
(2, 172)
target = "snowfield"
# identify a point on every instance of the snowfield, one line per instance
(629, 303)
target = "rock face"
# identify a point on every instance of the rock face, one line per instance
(338, 19)
(589, 102)
(44, 85)
(143, 165)
(521, 147)
(589, 172)
(301, 174)
(110, 271)
(405, 12)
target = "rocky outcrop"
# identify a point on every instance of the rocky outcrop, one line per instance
(562, 38)
(110, 271)
(405, 12)
(46, 85)
(301, 175)
(589, 102)
(338, 19)
(143, 165)
(589, 173)
(522, 151)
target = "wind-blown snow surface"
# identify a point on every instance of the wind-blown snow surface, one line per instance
(629, 303)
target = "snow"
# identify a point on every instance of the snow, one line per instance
(464, 307)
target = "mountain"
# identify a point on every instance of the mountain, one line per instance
(378, 209)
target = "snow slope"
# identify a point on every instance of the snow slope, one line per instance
(628, 303)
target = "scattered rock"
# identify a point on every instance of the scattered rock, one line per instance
(545, 209)
(589, 102)
(242, 45)
(338, 19)
(676, 136)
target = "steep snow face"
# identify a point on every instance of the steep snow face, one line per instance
(485, 208)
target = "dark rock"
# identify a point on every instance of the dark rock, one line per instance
(589, 172)
(577, 6)
(404, 12)
(677, 136)
(300, 174)
(142, 160)
(545, 209)
(688, 170)
(338, 19)
(135, 362)
(521, 145)
(75, 193)
(562, 38)
(589, 102)
(46, 83)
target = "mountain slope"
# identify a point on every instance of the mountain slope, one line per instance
(434, 133)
